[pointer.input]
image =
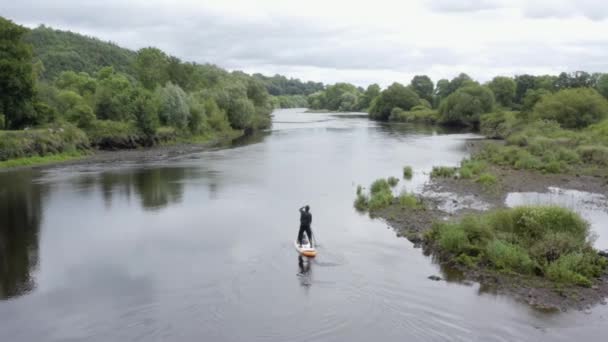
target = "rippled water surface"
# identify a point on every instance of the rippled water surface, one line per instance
(199, 247)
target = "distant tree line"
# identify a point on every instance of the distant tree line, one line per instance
(462, 100)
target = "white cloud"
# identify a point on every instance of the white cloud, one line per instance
(361, 42)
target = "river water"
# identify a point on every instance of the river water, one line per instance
(199, 247)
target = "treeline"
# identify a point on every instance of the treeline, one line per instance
(461, 101)
(50, 77)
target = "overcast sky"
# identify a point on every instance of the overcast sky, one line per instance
(363, 42)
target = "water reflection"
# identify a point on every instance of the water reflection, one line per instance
(305, 271)
(156, 188)
(20, 217)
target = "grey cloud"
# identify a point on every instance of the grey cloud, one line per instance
(464, 5)
(592, 9)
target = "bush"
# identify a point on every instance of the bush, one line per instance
(41, 142)
(392, 181)
(497, 125)
(443, 172)
(573, 108)
(380, 199)
(361, 202)
(407, 172)
(487, 180)
(409, 201)
(509, 257)
(418, 114)
(111, 135)
(568, 269)
(469, 168)
(594, 154)
(452, 239)
(380, 185)
(543, 240)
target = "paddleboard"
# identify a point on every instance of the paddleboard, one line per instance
(306, 249)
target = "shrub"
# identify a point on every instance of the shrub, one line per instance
(487, 180)
(107, 134)
(407, 172)
(380, 185)
(409, 201)
(567, 269)
(509, 257)
(443, 172)
(453, 239)
(419, 114)
(594, 154)
(361, 202)
(573, 108)
(41, 142)
(380, 199)
(392, 181)
(469, 168)
(497, 125)
(396, 95)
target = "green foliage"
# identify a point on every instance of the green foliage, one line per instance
(380, 185)
(594, 154)
(443, 172)
(278, 85)
(38, 160)
(602, 85)
(173, 110)
(573, 108)
(112, 135)
(465, 105)
(409, 201)
(576, 268)
(418, 114)
(365, 101)
(359, 189)
(498, 125)
(487, 180)
(503, 89)
(151, 67)
(66, 51)
(532, 97)
(392, 181)
(145, 110)
(2, 121)
(361, 202)
(113, 96)
(423, 86)
(509, 257)
(395, 95)
(342, 97)
(41, 142)
(380, 199)
(291, 101)
(452, 239)
(471, 167)
(547, 241)
(16, 77)
(407, 172)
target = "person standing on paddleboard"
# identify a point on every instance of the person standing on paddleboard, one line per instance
(305, 221)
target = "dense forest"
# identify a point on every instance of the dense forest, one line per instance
(72, 91)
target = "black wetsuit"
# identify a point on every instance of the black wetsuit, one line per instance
(305, 221)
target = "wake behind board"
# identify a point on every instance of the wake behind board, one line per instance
(306, 249)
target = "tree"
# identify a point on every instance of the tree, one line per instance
(466, 104)
(522, 84)
(151, 67)
(532, 97)
(462, 80)
(423, 86)
(174, 110)
(503, 89)
(573, 108)
(145, 110)
(396, 95)
(16, 76)
(113, 96)
(602, 85)
(372, 91)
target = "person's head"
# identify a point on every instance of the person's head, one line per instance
(307, 208)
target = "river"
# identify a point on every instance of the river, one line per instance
(200, 247)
